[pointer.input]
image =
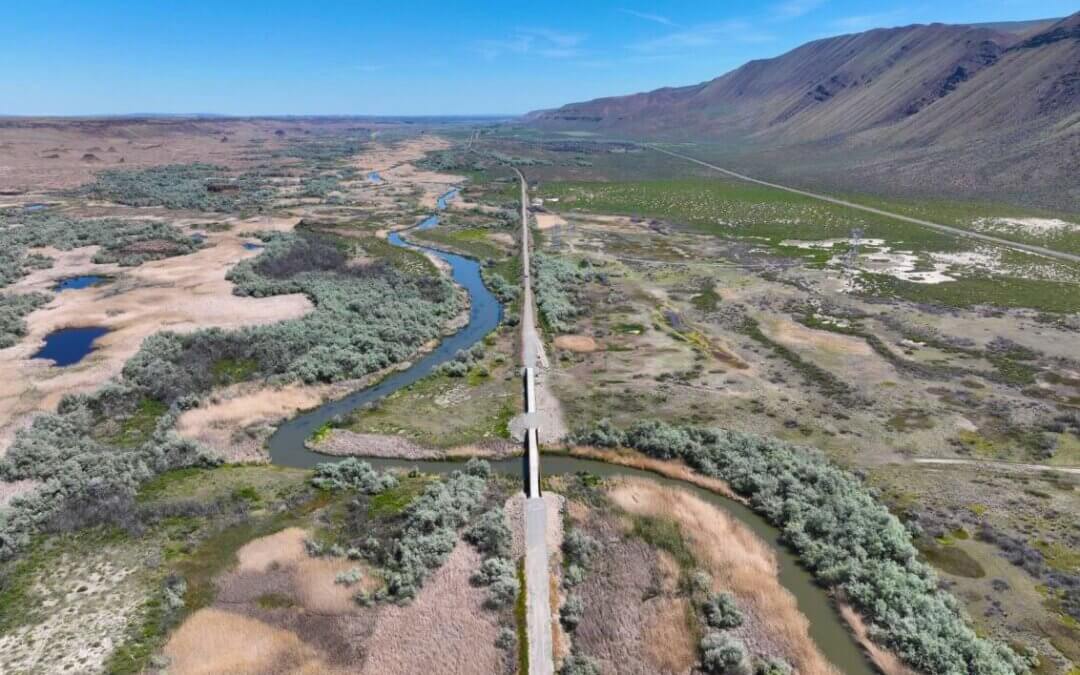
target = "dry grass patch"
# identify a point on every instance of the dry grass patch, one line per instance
(215, 641)
(667, 468)
(576, 343)
(739, 562)
(670, 646)
(444, 630)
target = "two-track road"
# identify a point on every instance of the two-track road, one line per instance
(537, 588)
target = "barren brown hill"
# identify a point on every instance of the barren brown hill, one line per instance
(982, 109)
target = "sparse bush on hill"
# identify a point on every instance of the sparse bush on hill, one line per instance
(571, 612)
(500, 576)
(772, 667)
(841, 533)
(464, 361)
(505, 291)
(490, 534)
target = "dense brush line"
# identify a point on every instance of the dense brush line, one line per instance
(842, 534)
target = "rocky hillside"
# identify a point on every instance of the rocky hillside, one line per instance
(987, 108)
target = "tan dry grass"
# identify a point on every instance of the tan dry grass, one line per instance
(576, 343)
(738, 562)
(666, 468)
(546, 221)
(279, 549)
(669, 646)
(444, 630)
(886, 661)
(214, 642)
(312, 581)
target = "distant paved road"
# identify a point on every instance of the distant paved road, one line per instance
(537, 589)
(959, 232)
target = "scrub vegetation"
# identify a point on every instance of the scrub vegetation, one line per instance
(366, 318)
(842, 534)
(198, 187)
(556, 283)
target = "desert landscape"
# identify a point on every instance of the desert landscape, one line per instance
(776, 373)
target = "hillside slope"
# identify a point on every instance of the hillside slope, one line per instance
(976, 108)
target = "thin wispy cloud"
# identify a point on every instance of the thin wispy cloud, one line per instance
(704, 35)
(543, 42)
(646, 16)
(793, 9)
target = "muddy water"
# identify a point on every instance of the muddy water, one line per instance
(287, 448)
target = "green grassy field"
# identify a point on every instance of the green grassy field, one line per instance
(733, 209)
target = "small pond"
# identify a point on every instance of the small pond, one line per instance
(35, 206)
(70, 345)
(75, 283)
(374, 177)
(252, 246)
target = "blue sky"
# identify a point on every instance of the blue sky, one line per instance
(404, 57)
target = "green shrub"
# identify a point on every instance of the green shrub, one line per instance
(13, 311)
(722, 654)
(579, 664)
(125, 242)
(352, 474)
(557, 283)
(840, 532)
(721, 611)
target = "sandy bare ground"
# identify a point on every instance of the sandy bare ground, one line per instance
(740, 563)
(444, 630)
(546, 221)
(237, 420)
(39, 155)
(310, 582)
(394, 164)
(89, 600)
(576, 343)
(313, 625)
(183, 294)
(214, 641)
(343, 442)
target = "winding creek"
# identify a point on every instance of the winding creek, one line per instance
(287, 448)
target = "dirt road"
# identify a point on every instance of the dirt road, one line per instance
(538, 606)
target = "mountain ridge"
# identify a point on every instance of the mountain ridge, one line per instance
(979, 108)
